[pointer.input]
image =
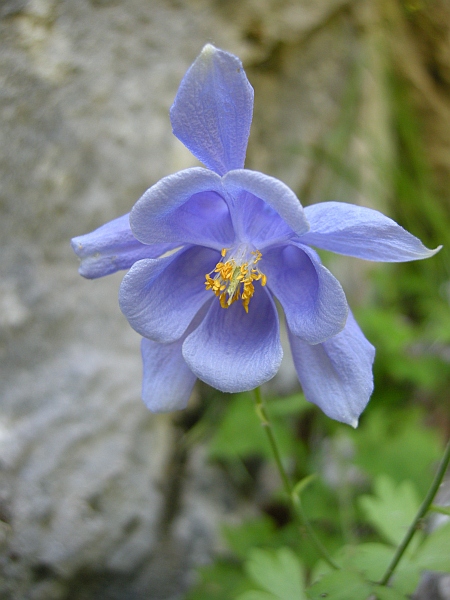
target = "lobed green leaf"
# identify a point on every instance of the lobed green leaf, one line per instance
(278, 573)
(340, 585)
(392, 509)
(434, 553)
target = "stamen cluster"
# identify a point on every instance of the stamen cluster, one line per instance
(235, 279)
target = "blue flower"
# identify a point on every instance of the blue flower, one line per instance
(209, 251)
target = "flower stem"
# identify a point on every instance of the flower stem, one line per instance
(424, 507)
(293, 497)
(267, 426)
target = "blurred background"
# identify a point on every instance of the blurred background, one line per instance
(98, 498)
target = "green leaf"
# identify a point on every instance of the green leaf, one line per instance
(371, 560)
(340, 585)
(320, 569)
(434, 553)
(386, 442)
(221, 580)
(392, 509)
(277, 572)
(406, 577)
(256, 595)
(385, 593)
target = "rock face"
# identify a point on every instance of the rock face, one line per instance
(91, 497)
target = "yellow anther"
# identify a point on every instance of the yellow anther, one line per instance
(257, 255)
(223, 300)
(233, 278)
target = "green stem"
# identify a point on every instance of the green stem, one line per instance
(294, 499)
(267, 426)
(424, 507)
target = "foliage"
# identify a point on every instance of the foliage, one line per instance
(269, 560)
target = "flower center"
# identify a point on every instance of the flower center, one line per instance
(233, 279)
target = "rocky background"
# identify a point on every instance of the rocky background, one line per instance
(98, 498)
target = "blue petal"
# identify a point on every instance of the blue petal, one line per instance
(312, 298)
(212, 112)
(361, 232)
(234, 351)
(257, 222)
(272, 191)
(111, 248)
(187, 208)
(336, 375)
(160, 297)
(167, 381)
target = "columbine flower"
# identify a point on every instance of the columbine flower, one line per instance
(210, 249)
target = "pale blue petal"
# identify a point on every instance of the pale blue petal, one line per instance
(361, 232)
(337, 375)
(212, 112)
(234, 351)
(273, 191)
(167, 380)
(187, 208)
(161, 297)
(111, 248)
(312, 298)
(258, 223)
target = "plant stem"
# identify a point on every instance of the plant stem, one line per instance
(267, 426)
(293, 497)
(424, 507)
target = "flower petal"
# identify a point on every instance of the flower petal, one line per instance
(273, 191)
(337, 375)
(111, 248)
(186, 207)
(361, 232)
(212, 112)
(234, 351)
(258, 223)
(312, 298)
(160, 297)
(167, 381)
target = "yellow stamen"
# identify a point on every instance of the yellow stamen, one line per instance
(234, 281)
